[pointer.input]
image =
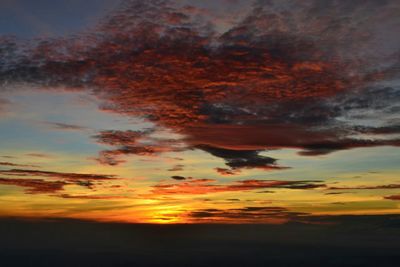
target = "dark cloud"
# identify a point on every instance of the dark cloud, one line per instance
(94, 197)
(87, 184)
(267, 191)
(177, 177)
(35, 186)
(50, 182)
(388, 186)
(308, 75)
(57, 175)
(237, 159)
(246, 214)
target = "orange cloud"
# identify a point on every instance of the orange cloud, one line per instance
(205, 186)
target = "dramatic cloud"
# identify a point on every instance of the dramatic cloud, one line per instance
(310, 75)
(203, 87)
(177, 177)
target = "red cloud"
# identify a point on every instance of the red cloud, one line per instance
(393, 197)
(259, 85)
(227, 172)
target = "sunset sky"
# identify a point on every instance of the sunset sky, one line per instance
(225, 111)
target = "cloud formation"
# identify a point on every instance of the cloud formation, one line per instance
(237, 159)
(245, 215)
(35, 186)
(50, 182)
(177, 177)
(205, 186)
(65, 126)
(57, 175)
(290, 74)
(133, 143)
(90, 197)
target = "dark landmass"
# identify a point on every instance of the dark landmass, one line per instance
(351, 241)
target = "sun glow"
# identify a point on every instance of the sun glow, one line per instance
(166, 215)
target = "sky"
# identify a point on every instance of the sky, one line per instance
(223, 111)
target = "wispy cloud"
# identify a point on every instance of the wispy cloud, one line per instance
(57, 175)
(10, 164)
(35, 186)
(65, 126)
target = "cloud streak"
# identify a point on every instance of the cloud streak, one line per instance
(206, 186)
(45, 182)
(10, 164)
(245, 215)
(57, 175)
(66, 126)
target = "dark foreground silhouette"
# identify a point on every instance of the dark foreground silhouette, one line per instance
(351, 241)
